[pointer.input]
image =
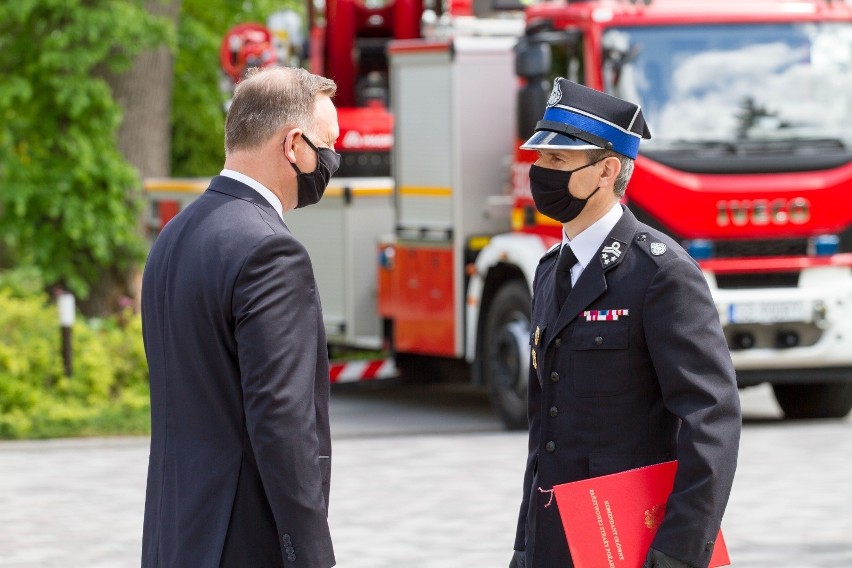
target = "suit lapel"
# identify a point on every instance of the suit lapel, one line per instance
(593, 281)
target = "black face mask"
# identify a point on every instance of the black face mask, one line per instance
(312, 185)
(551, 195)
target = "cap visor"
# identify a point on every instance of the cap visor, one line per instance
(547, 140)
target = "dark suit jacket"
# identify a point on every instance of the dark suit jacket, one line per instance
(607, 396)
(240, 447)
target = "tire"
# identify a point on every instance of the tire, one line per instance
(817, 400)
(504, 353)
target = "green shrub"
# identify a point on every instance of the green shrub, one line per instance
(108, 390)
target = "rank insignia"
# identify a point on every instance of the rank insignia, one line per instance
(537, 335)
(658, 248)
(534, 360)
(612, 252)
(604, 315)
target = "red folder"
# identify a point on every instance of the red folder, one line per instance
(611, 520)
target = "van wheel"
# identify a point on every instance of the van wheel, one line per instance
(817, 400)
(505, 353)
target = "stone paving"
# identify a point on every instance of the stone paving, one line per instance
(442, 500)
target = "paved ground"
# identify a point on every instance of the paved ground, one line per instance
(443, 494)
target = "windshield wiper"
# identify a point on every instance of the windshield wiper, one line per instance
(617, 59)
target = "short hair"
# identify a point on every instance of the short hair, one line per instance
(626, 168)
(269, 99)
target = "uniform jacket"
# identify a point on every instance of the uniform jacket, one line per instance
(240, 447)
(655, 384)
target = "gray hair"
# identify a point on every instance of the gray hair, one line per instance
(269, 99)
(626, 168)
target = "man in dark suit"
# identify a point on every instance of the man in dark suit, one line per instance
(628, 363)
(240, 448)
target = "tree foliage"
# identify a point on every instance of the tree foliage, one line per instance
(198, 117)
(108, 390)
(69, 202)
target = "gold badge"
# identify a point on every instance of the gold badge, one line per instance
(535, 362)
(537, 334)
(654, 516)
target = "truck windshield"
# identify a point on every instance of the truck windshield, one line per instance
(723, 88)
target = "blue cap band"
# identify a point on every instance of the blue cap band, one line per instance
(622, 142)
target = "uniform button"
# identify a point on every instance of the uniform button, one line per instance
(598, 340)
(641, 238)
(557, 342)
(286, 539)
(554, 377)
(550, 447)
(554, 411)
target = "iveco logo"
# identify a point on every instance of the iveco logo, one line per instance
(763, 212)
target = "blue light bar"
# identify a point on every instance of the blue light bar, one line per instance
(824, 245)
(699, 249)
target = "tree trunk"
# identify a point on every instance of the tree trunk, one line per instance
(144, 93)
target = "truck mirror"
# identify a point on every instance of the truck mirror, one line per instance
(532, 60)
(531, 103)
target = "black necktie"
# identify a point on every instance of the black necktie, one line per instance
(567, 259)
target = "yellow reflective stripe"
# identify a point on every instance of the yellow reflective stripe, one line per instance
(420, 191)
(360, 191)
(518, 217)
(176, 185)
(546, 221)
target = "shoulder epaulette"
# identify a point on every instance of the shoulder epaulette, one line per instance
(656, 245)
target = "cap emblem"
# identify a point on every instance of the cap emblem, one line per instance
(555, 94)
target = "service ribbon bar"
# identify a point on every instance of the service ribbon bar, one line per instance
(604, 315)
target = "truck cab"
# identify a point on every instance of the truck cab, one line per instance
(750, 165)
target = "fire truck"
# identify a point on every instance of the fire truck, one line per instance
(750, 167)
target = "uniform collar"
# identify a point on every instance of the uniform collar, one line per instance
(264, 191)
(586, 245)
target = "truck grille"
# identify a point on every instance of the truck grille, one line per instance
(764, 280)
(760, 248)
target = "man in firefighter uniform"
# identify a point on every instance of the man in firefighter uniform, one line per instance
(628, 363)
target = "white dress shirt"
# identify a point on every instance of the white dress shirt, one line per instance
(258, 187)
(586, 244)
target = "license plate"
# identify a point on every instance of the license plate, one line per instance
(769, 312)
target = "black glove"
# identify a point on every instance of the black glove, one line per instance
(657, 559)
(519, 560)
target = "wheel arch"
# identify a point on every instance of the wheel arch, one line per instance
(506, 258)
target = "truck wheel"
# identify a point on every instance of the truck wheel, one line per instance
(505, 353)
(819, 400)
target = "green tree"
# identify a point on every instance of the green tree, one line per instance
(198, 117)
(69, 201)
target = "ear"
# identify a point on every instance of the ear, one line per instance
(291, 141)
(609, 172)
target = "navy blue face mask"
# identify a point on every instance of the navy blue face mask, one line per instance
(550, 192)
(312, 185)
